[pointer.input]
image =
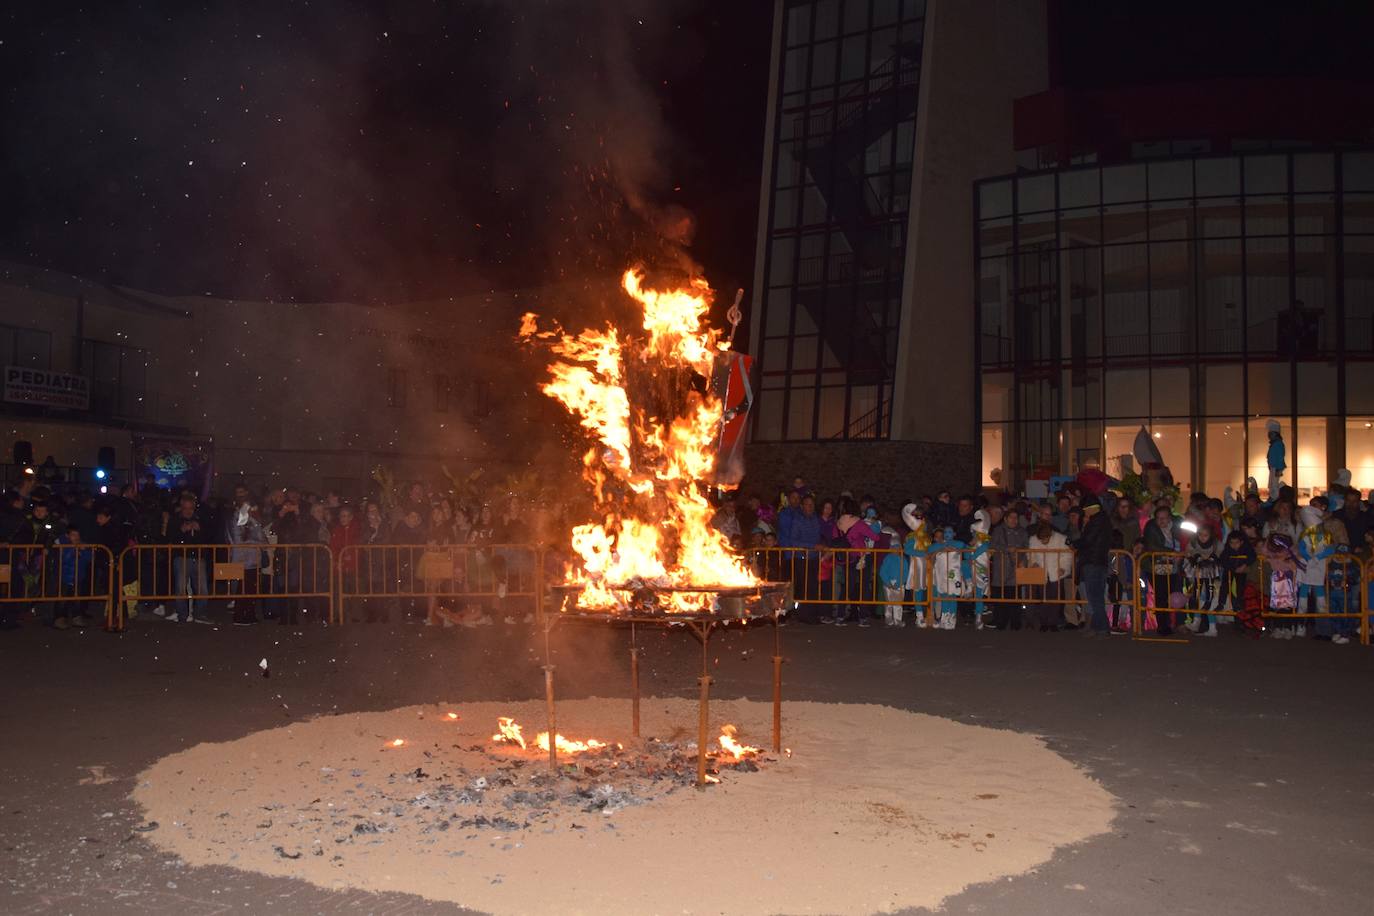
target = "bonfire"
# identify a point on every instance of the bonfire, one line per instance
(643, 400)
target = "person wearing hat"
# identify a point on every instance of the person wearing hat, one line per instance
(1339, 487)
(1094, 545)
(1276, 457)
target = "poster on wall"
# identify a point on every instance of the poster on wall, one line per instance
(174, 463)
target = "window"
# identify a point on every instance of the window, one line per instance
(25, 347)
(119, 378)
(396, 388)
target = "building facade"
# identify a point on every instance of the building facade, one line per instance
(315, 395)
(880, 116)
(1035, 228)
(1198, 297)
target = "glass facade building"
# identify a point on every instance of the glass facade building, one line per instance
(1198, 297)
(837, 214)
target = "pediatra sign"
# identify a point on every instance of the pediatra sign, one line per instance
(47, 389)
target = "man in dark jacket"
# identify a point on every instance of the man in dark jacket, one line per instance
(1093, 546)
(190, 574)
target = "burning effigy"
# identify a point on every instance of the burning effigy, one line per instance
(653, 424)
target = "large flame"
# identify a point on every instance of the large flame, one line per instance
(653, 451)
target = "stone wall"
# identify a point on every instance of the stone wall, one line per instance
(892, 471)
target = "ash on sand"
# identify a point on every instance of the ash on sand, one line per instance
(876, 810)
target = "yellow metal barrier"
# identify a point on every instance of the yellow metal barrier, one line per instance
(299, 576)
(1180, 586)
(842, 577)
(400, 576)
(49, 578)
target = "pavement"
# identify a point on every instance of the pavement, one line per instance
(1245, 769)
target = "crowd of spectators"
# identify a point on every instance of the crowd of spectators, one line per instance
(942, 559)
(268, 533)
(1089, 550)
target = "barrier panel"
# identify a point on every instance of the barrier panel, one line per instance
(844, 577)
(1037, 586)
(1177, 590)
(388, 577)
(292, 578)
(62, 581)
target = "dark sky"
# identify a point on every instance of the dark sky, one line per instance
(379, 150)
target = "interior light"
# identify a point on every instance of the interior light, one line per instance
(99, 473)
(1159, 435)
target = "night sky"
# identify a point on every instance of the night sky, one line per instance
(380, 151)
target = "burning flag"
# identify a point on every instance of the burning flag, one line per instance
(642, 396)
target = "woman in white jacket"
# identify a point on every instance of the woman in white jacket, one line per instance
(1050, 550)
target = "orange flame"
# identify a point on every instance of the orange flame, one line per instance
(508, 732)
(732, 747)
(650, 459)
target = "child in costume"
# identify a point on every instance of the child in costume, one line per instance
(1202, 570)
(1284, 565)
(899, 571)
(947, 577)
(1314, 547)
(976, 570)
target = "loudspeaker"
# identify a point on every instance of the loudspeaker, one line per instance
(23, 452)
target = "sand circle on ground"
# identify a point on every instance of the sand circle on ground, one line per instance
(876, 809)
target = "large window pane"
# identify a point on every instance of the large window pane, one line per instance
(1128, 392)
(1270, 391)
(1266, 284)
(1224, 446)
(1317, 388)
(1359, 293)
(1171, 293)
(997, 458)
(995, 309)
(1223, 391)
(1171, 179)
(1312, 475)
(1219, 286)
(1080, 188)
(1169, 392)
(1126, 306)
(1123, 184)
(1359, 387)
(1081, 283)
(1359, 450)
(1217, 177)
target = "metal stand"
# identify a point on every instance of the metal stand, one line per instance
(634, 682)
(777, 686)
(701, 626)
(702, 631)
